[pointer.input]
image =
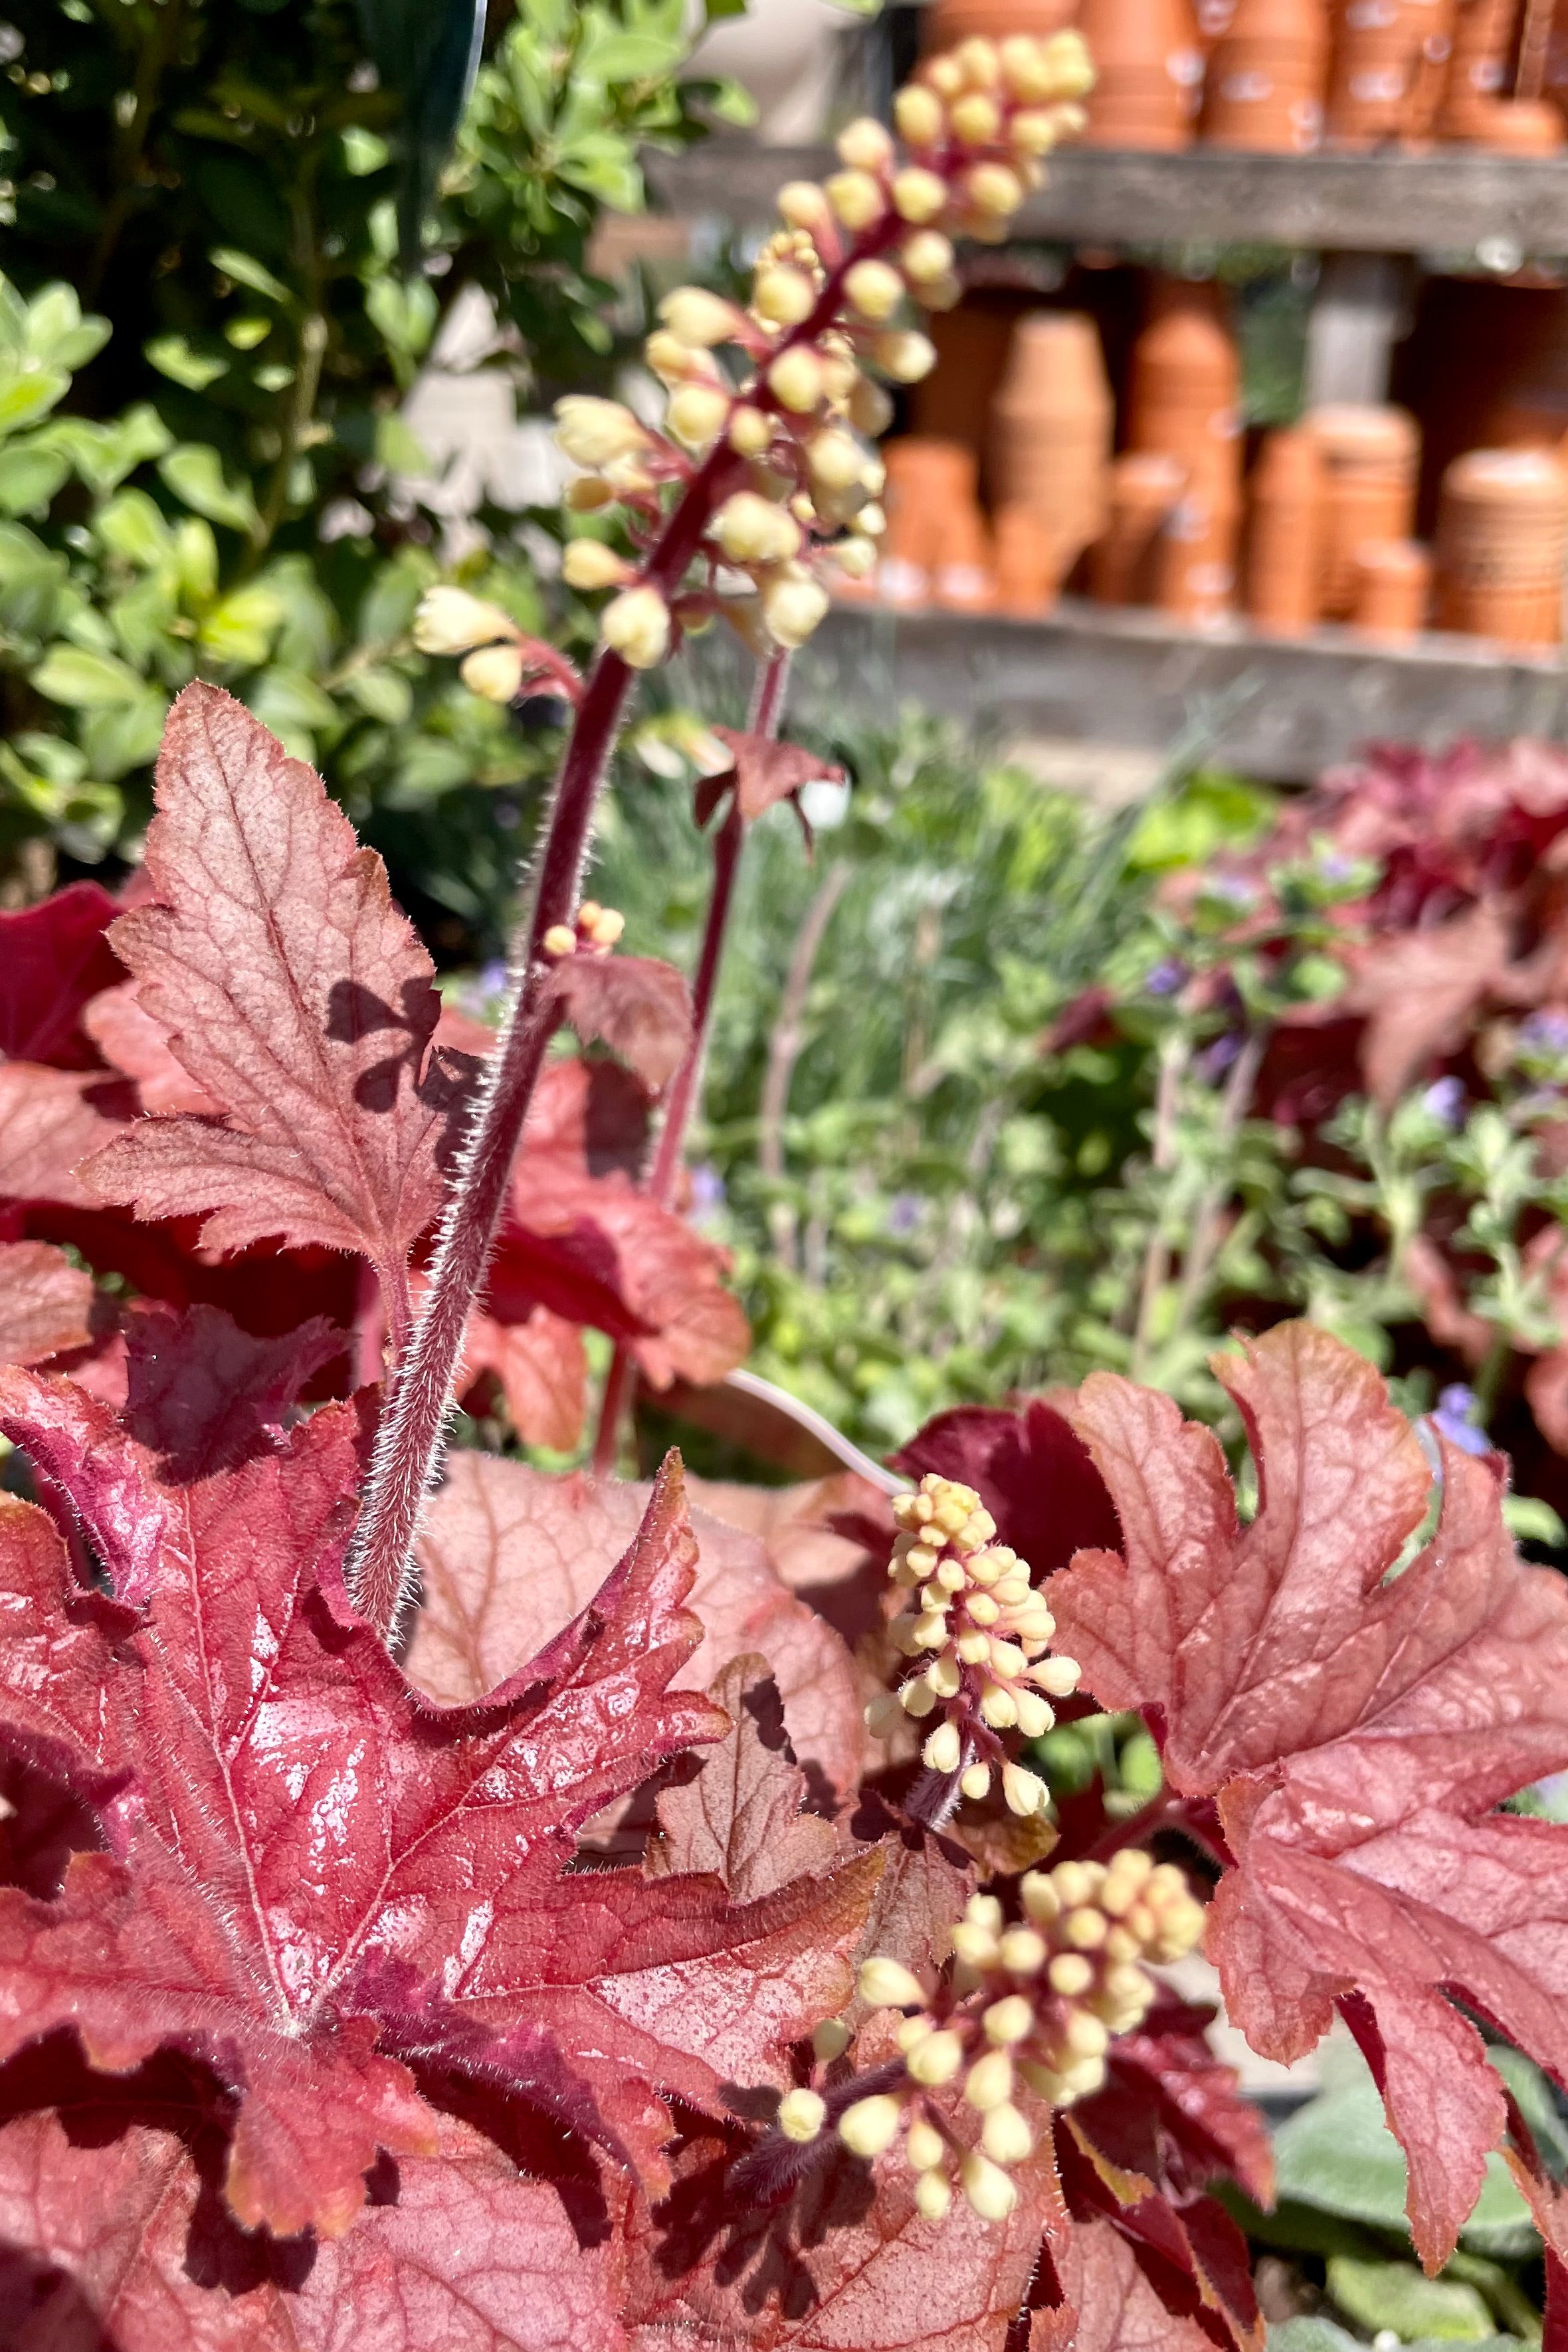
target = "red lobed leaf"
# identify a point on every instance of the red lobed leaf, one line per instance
(317, 1876)
(766, 772)
(295, 995)
(740, 1815)
(54, 958)
(638, 1007)
(1357, 1730)
(51, 1122)
(45, 1302)
(1032, 1474)
(542, 1371)
(1172, 2110)
(138, 1046)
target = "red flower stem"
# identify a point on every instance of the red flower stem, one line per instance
(767, 712)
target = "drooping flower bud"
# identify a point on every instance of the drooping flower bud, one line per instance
(588, 563)
(637, 627)
(494, 673)
(450, 621)
(592, 432)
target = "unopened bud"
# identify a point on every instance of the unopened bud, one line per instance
(989, 2190)
(943, 1749)
(1070, 1975)
(794, 379)
(697, 414)
(871, 2124)
(865, 146)
(978, 62)
(943, 74)
(870, 408)
(919, 116)
(783, 296)
(587, 494)
(1036, 1715)
(588, 563)
(829, 2040)
(751, 430)
(802, 2114)
(698, 318)
(1069, 65)
(935, 2059)
(857, 559)
(856, 199)
(927, 256)
(494, 673)
(924, 2146)
(558, 942)
(976, 118)
(888, 1984)
(753, 530)
(874, 289)
(1034, 130)
(989, 2081)
(976, 1783)
(1058, 1676)
(994, 192)
(916, 1699)
(449, 621)
(637, 627)
(1004, 2135)
(1011, 2019)
(835, 460)
(804, 205)
(907, 358)
(1023, 1951)
(1025, 1791)
(792, 609)
(933, 2196)
(592, 432)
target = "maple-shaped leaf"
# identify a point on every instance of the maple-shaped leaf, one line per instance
(295, 995)
(1419, 991)
(315, 1875)
(45, 1302)
(739, 1813)
(1357, 1727)
(115, 2233)
(1031, 1471)
(508, 1556)
(1191, 2254)
(763, 773)
(1171, 2109)
(638, 1007)
(542, 1369)
(138, 1046)
(1108, 2301)
(54, 958)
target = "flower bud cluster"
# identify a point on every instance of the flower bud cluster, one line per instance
(976, 1631)
(770, 405)
(597, 931)
(1031, 2005)
(499, 659)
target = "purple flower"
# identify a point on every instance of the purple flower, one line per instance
(1444, 1100)
(707, 1193)
(1336, 867)
(1165, 978)
(904, 1214)
(1232, 890)
(1455, 1417)
(1216, 1059)
(1548, 1032)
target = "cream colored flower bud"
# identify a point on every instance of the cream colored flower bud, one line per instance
(989, 2081)
(1086, 2036)
(802, 2114)
(1070, 1975)
(881, 1713)
(829, 2040)
(637, 627)
(1025, 1791)
(1041, 1900)
(990, 2192)
(1069, 65)
(856, 199)
(871, 2124)
(865, 146)
(928, 256)
(907, 358)
(920, 115)
(696, 317)
(1056, 1675)
(449, 621)
(1036, 1715)
(1023, 1951)
(942, 1674)
(1034, 130)
(924, 2146)
(804, 206)
(994, 192)
(794, 379)
(916, 1699)
(870, 408)
(872, 522)
(975, 1943)
(943, 74)
(1011, 2019)
(588, 563)
(751, 430)
(976, 118)
(835, 460)
(697, 414)
(792, 609)
(888, 1984)
(784, 296)
(978, 61)
(840, 374)
(1004, 2135)
(976, 1783)
(558, 942)
(672, 360)
(753, 530)
(875, 289)
(588, 494)
(592, 432)
(998, 1706)
(935, 2059)
(494, 673)
(933, 2196)
(943, 1749)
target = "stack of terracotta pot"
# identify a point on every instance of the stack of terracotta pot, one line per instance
(1389, 67)
(1051, 427)
(1502, 540)
(1183, 404)
(1149, 71)
(1474, 108)
(937, 549)
(947, 22)
(1330, 508)
(1371, 457)
(1264, 87)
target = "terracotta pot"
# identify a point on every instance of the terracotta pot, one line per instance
(1051, 427)
(1194, 563)
(1371, 457)
(928, 482)
(1183, 387)
(1145, 489)
(1284, 526)
(1392, 588)
(963, 575)
(1027, 571)
(1502, 540)
(948, 22)
(1148, 71)
(1264, 87)
(1516, 126)
(1388, 65)
(1479, 68)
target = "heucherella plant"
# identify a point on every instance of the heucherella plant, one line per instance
(528, 1945)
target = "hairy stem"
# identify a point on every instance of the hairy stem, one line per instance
(767, 712)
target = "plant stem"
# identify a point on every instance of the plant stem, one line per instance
(784, 1051)
(767, 712)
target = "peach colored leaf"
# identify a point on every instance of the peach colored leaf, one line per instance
(739, 1815)
(508, 1555)
(1358, 1729)
(1113, 2306)
(542, 1372)
(52, 1120)
(127, 1035)
(45, 1302)
(638, 1007)
(295, 995)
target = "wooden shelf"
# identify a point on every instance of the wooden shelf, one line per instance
(1453, 202)
(1278, 708)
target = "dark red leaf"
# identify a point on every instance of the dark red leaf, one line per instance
(53, 958)
(739, 1815)
(45, 1303)
(1032, 1472)
(1358, 1731)
(764, 774)
(1170, 2109)
(638, 1007)
(200, 1391)
(295, 995)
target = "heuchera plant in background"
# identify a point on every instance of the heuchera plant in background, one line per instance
(454, 1906)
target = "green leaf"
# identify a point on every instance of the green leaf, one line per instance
(117, 740)
(195, 473)
(404, 311)
(1532, 1520)
(1378, 2294)
(240, 629)
(364, 152)
(56, 334)
(381, 694)
(172, 357)
(289, 702)
(398, 448)
(83, 680)
(247, 333)
(246, 271)
(715, 11)
(31, 580)
(103, 455)
(27, 395)
(30, 474)
(131, 526)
